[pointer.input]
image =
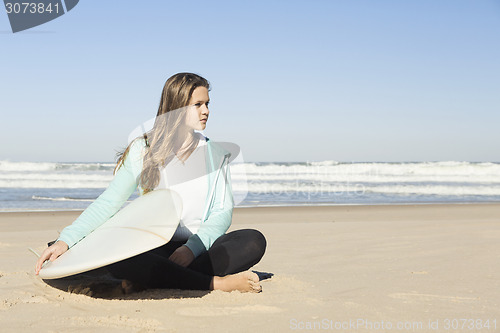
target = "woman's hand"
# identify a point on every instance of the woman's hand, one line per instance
(182, 256)
(51, 253)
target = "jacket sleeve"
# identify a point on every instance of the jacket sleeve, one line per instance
(220, 217)
(110, 201)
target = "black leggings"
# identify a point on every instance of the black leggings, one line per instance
(231, 253)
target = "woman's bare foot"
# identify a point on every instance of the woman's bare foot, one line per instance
(243, 282)
(127, 287)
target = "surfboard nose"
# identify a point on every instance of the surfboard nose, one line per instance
(146, 223)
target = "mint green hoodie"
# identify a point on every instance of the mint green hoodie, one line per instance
(217, 214)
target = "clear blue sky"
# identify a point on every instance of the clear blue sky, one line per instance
(349, 80)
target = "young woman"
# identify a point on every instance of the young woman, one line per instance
(172, 155)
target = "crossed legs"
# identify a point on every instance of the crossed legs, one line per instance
(223, 267)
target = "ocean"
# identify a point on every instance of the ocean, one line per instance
(73, 186)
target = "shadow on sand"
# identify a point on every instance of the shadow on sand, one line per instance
(99, 283)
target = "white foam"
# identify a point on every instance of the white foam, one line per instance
(8, 166)
(452, 178)
(36, 197)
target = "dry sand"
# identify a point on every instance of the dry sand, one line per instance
(341, 268)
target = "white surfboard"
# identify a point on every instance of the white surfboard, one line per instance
(147, 222)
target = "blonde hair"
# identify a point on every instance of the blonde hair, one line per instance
(164, 138)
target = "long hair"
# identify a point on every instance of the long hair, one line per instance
(165, 137)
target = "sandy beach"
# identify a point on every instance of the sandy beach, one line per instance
(404, 268)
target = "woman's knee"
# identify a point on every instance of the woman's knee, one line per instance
(256, 241)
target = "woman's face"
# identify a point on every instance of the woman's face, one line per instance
(197, 112)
